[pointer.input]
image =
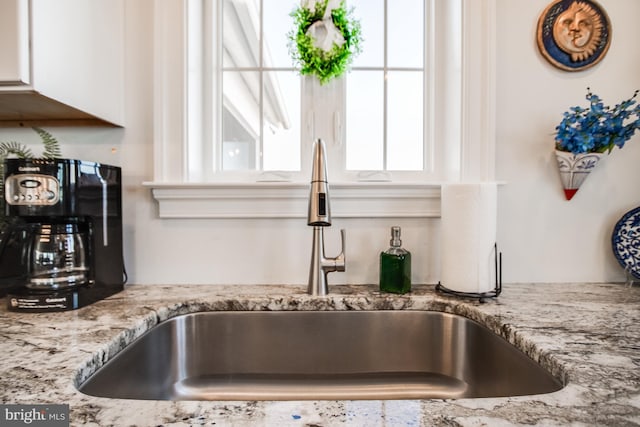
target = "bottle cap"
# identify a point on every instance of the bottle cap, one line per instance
(395, 236)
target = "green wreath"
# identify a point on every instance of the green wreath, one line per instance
(332, 59)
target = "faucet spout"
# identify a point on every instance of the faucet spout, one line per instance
(319, 216)
(319, 204)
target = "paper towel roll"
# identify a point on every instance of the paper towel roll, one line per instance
(468, 234)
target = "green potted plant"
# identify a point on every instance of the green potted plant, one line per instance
(19, 150)
(585, 135)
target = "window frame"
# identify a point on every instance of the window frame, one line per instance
(461, 101)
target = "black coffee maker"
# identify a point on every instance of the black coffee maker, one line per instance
(61, 248)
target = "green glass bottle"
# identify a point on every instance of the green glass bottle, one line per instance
(395, 266)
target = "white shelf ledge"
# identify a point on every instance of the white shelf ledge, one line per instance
(289, 200)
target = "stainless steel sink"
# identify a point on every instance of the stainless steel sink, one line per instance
(298, 355)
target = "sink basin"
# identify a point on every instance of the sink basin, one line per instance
(301, 355)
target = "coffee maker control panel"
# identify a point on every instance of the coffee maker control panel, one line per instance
(33, 190)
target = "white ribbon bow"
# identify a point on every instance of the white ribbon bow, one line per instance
(324, 33)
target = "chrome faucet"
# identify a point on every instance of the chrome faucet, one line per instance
(319, 216)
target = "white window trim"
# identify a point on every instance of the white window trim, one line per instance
(289, 200)
(467, 99)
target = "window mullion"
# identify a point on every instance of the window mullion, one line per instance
(320, 103)
(213, 88)
(308, 124)
(385, 87)
(260, 148)
(337, 121)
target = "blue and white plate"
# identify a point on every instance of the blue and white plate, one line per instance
(626, 242)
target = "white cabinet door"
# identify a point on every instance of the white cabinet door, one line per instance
(65, 62)
(14, 42)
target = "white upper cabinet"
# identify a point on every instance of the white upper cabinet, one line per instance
(14, 42)
(61, 62)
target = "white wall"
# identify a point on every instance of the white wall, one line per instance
(543, 237)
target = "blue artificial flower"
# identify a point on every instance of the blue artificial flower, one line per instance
(598, 128)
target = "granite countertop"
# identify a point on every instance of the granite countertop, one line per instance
(588, 334)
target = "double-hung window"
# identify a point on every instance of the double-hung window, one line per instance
(373, 118)
(415, 109)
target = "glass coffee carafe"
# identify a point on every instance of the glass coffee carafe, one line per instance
(58, 256)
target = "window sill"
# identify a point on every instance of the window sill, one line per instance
(289, 200)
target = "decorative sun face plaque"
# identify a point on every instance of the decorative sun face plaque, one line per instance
(574, 35)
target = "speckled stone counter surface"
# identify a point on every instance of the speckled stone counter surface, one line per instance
(586, 334)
